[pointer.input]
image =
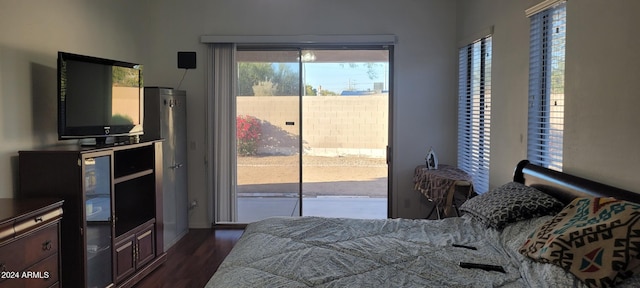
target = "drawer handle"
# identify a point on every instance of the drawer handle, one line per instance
(46, 245)
(39, 219)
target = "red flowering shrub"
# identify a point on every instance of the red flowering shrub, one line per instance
(248, 131)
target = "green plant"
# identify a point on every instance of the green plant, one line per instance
(248, 131)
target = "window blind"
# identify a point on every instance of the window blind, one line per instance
(546, 87)
(542, 6)
(474, 111)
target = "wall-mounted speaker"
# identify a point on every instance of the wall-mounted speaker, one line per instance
(187, 60)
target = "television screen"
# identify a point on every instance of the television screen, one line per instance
(98, 97)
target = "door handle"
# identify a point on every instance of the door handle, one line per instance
(171, 103)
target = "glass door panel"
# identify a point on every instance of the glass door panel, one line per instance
(97, 175)
(268, 134)
(345, 116)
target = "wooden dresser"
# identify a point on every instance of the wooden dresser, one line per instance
(30, 242)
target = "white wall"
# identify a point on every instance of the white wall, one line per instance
(602, 67)
(425, 69)
(601, 118)
(151, 32)
(31, 34)
(603, 70)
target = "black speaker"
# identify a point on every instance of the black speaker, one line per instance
(187, 60)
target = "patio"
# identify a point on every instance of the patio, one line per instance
(353, 187)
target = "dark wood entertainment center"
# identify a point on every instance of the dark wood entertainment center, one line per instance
(112, 225)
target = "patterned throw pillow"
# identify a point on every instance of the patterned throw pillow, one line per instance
(595, 239)
(510, 203)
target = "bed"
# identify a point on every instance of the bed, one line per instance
(544, 229)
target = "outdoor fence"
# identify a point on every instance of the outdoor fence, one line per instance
(332, 125)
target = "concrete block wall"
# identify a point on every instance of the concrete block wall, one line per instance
(332, 125)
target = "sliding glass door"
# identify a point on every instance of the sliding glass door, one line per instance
(312, 132)
(268, 134)
(345, 116)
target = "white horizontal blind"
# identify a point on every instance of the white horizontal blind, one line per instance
(546, 87)
(474, 111)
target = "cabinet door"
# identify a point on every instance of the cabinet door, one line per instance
(125, 253)
(145, 245)
(167, 124)
(180, 147)
(133, 252)
(97, 175)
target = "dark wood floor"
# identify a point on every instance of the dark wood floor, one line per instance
(192, 261)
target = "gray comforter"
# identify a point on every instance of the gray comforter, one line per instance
(338, 252)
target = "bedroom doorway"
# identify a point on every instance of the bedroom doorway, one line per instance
(312, 132)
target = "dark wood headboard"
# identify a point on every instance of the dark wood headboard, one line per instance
(566, 187)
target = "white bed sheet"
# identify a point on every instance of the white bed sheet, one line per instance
(340, 252)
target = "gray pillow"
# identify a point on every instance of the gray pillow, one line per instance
(510, 203)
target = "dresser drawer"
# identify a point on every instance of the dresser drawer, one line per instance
(38, 220)
(41, 275)
(6, 231)
(45, 273)
(18, 255)
(42, 244)
(11, 258)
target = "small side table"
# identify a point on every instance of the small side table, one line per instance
(440, 186)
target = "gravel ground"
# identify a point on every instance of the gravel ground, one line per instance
(322, 176)
(311, 161)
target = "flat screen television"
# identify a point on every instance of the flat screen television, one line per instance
(98, 98)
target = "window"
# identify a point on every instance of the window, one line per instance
(474, 111)
(546, 87)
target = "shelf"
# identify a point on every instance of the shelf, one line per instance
(133, 161)
(133, 176)
(97, 224)
(123, 228)
(98, 195)
(94, 213)
(94, 251)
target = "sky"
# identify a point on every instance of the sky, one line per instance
(337, 77)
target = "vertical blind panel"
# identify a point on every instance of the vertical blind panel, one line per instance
(546, 87)
(474, 116)
(222, 106)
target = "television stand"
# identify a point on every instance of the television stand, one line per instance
(112, 231)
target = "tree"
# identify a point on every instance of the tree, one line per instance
(286, 81)
(557, 78)
(309, 91)
(327, 93)
(371, 68)
(251, 74)
(281, 78)
(265, 88)
(125, 77)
